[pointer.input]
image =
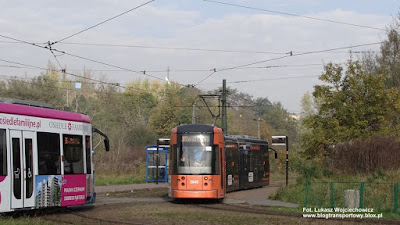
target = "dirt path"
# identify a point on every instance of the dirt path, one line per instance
(256, 196)
(258, 193)
(129, 187)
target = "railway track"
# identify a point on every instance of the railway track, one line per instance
(106, 212)
(82, 215)
(262, 210)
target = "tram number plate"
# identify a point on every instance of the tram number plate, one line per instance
(194, 182)
(230, 179)
(251, 176)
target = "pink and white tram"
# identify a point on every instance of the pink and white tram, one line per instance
(45, 158)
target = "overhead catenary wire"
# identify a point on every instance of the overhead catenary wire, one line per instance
(25, 80)
(109, 64)
(55, 57)
(265, 79)
(177, 48)
(43, 85)
(105, 21)
(214, 70)
(295, 15)
(292, 54)
(181, 48)
(81, 57)
(15, 77)
(72, 74)
(184, 70)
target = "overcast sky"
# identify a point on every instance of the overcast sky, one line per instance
(193, 39)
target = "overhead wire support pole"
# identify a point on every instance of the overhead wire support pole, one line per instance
(287, 160)
(194, 113)
(224, 116)
(157, 159)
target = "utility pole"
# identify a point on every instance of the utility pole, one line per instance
(194, 114)
(258, 126)
(168, 73)
(283, 140)
(224, 124)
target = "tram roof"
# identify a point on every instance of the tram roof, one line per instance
(245, 138)
(43, 112)
(189, 128)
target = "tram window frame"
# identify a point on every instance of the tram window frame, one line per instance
(75, 145)
(173, 167)
(216, 154)
(88, 154)
(49, 153)
(3, 152)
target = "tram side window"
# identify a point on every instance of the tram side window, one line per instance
(49, 153)
(3, 153)
(73, 154)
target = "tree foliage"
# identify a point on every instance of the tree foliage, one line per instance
(352, 104)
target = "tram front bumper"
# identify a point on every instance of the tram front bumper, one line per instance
(209, 194)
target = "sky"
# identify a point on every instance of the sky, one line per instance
(196, 42)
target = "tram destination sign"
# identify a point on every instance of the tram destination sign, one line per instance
(196, 138)
(279, 140)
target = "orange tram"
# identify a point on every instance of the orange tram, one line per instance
(205, 164)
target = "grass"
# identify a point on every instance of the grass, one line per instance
(378, 190)
(22, 221)
(141, 193)
(193, 215)
(112, 179)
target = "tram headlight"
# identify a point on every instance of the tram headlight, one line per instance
(205, 178)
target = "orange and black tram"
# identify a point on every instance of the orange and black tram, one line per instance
(205, 164)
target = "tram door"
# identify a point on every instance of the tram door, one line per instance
(22, 144)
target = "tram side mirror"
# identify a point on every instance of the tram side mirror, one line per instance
(106, 140)
(276, 155)
(107, 144)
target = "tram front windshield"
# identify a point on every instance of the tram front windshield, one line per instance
(197, 155)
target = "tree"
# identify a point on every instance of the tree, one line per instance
(279, 119)
(389, 59)
(166, 114)
(262, 106)
(307, 106)
(352, 105)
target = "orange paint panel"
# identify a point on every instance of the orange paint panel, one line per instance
(194, 182)
(174, 140)
(196, 186)
(213, 182)
(194, 194)
(178, 183)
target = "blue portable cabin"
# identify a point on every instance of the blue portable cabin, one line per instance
(151, 162)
